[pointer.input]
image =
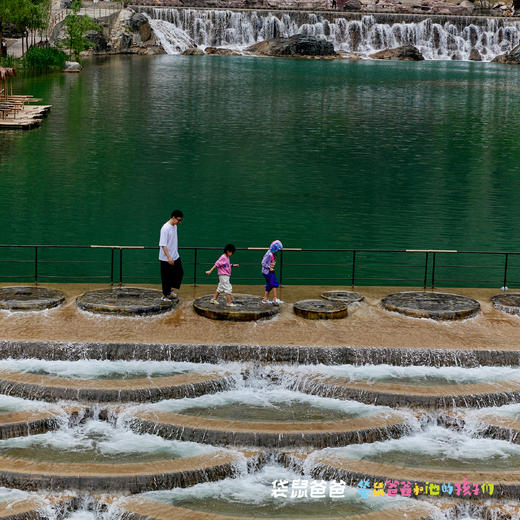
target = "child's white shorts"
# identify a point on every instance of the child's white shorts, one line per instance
(223, 284)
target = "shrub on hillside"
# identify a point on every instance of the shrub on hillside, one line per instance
(44, 58)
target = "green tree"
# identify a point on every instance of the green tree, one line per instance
(77, 27)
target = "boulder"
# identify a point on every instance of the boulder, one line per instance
(474, 55)
(193, 51)
(297, 45)
(510, 58)
(406, 52)
(352, 5)
(468, 5)
(136, 21)
(221, 52)
(72, 66)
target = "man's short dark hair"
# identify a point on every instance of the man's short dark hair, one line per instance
(230, 247)
(177, 213)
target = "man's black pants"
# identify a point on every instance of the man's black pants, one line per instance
(171, 276)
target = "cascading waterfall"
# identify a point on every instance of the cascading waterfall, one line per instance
(438, 38)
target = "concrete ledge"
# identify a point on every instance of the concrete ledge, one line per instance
(125, 301)
(146, 509)
(320, 309)
(478, 395)
(507, 483)
(211, 353)
(248, 308)
(501, 427)
(436, 306)
(124, 478)
(319, 434)
(30, 508)
(29, 298)
(50, 388)
(29, 422)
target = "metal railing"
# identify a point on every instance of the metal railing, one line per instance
(116, 264)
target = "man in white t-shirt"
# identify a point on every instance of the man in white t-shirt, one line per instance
(171, 265)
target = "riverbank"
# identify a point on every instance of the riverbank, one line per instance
(368, 324)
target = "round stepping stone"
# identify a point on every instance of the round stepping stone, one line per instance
(125, 301)
(247, 308)
(347, 297)
(320, 310)
(437, 306)
(29, 298)
(509, 303)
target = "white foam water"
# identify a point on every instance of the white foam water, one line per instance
(442, 39)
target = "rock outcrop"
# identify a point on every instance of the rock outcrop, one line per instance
(297, 45)
(474, 55)
(193, 51)
(218, 51)
(510, 58)
(72, 66)
(406, 52)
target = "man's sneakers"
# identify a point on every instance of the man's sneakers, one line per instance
(172, 295)
(232, 305)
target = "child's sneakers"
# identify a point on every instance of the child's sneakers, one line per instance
(213, 301)
(165, 299)
(232, 305)
(276, 301)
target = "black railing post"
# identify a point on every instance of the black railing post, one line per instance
(433, 270)
(195, 268)
(36, 264)
(281, 267)
(112, 267)
(120, 266)
(353, 277)
(505, 272)
(426, 269)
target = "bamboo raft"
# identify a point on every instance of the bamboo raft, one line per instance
(15, 110)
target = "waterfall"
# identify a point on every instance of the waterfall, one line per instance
(437, 37)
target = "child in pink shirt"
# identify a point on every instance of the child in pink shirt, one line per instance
(223, 266)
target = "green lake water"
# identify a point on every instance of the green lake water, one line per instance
(318, 154)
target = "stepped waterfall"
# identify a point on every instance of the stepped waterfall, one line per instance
(437, 37)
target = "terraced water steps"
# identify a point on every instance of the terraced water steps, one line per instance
(495, 393)
(501, 427)
(123, 478)
(51, 388)
(138, 508)
(214, 353)
(269, 434)
(31, 422)
(31, 508)
(506, 483)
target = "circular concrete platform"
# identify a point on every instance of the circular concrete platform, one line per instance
(50, 388)
(348, 297)
(248, 308)
(320, 310)
(509, 302)
(123, 478)
(29, 298)
(436, 306)
(320, 434)
(125, 301)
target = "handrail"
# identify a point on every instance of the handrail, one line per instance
(350, 266)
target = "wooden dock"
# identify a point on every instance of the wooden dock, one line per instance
(30, 117)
